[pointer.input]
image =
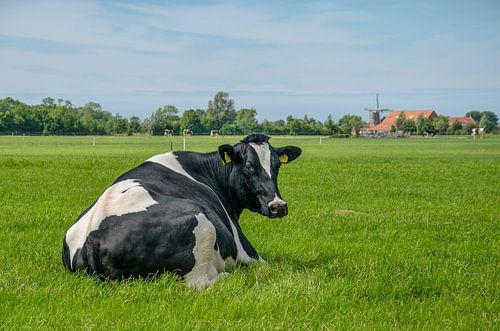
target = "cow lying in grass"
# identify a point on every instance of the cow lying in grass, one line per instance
(179, 212)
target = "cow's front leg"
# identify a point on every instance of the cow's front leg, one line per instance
(209, 266)
(249, 254)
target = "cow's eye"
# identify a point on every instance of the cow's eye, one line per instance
(248, 167)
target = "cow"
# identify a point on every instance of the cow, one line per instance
(214, 133)
(168, 133)
(187, 132)
(477, 131)
(430, 131)
(179, 212)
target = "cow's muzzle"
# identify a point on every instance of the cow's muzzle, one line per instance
(277, 208)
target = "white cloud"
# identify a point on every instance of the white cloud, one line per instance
(261, 24)
(80, 23)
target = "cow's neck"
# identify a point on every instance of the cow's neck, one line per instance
(208, 169)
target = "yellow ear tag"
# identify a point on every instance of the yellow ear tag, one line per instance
(227, 158)
(284, 158)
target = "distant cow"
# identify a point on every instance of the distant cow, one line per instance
(179, 212)
(214, 133)
(168, 132)
(430, 131)
(187, 132)
(477, 131)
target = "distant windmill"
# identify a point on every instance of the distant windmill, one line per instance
(375, 114)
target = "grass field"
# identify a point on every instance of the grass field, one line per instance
(382, 233)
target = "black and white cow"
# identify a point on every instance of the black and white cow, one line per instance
(477, 131)
(179, 212)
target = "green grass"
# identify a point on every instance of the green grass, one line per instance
(382, 233)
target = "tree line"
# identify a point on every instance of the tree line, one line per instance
(58, 116)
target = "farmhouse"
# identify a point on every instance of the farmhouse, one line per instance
(390, 120)
(462, 120)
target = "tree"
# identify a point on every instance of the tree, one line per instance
(245, 120)
(440, 123)
(278, 127)
(455, 128)
(331, 126)
(220, 110)
(24, 119)
(313, 126)
(400, 121)
(329, 123)
(490, 116)
(68, 104)
(93, 119)
(192, 119)
(163, 118)
(60, 116)
(475, 114)
(350, 123)
(486, 123)
(118, 124)
(6, 113)
(60, 120)
(49, 102)
(230, 128)
(409, 126)
(134, 125)
(478, 116)
(420, 123)
(293, 125)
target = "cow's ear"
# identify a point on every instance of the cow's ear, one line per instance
(288, 153)
(226, 153)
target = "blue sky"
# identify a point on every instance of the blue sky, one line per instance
(280, 57)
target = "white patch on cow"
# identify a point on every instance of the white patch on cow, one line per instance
(170, 161)
(276, 200)
(122, 198)
(208, 264)
(264, 154)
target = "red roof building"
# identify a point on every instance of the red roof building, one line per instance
(462, 120)
(389, 121)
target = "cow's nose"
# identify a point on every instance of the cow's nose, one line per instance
(278, 208)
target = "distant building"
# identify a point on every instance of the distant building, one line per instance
(463, 121)
(390, 120)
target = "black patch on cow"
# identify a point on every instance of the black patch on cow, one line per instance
(124, 247)
(256, 138)
(65, 255)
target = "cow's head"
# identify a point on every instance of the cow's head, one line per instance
(254, 173)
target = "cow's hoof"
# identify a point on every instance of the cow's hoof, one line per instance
(259, 260)
(204, 283)
(223, 275)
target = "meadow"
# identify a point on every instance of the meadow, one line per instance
(382, 233)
